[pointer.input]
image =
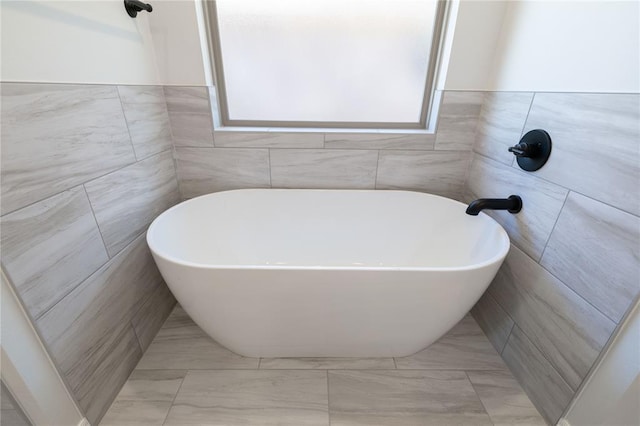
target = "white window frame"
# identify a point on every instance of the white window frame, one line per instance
(429, 103)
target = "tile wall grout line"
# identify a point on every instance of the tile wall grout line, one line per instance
(542, 352)
(375, 181)
(126, 122)
(269, 162)
(553, 228)
(328, 397)
(95, 219)
(84, 280)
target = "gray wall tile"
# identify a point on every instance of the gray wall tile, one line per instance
(458, 120)
(542, 202)
(126, 201)
(381, 140)
(597, 134)
(201, 171)
(594, 249)
(563, 326)
(152, 314)
(187, 99)
(191, 129)
(545, 387)
(493, 320)
(502, 119)
(56, 136)
(145, 110)
(119, 358)
(83, 329)
(441, 173)
(50, 247)
(331, 169)
(269, 139)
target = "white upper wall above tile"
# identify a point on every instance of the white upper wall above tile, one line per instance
(545, 46)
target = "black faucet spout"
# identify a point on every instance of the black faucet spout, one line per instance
(513, 204)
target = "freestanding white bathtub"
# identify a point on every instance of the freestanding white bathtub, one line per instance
(326, 273)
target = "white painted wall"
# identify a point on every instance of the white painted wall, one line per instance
(96, 41)
(176, 39)
(559, 46)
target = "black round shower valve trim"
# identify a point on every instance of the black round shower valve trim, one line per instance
(533, 150)
(134, 6)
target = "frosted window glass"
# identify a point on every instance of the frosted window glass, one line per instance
(325, 60)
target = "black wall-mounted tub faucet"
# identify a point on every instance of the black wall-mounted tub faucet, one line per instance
(513, 204)
(134, 6)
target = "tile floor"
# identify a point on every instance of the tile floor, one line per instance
(186, 378)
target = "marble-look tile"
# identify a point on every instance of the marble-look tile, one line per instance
(152, 385)
(542, 202)
(323, 168)
(242, 397)
(145, 398)
(598, 134)
(113, 364)
(202, 171)
(191, 129)
(464, 347)
(568, 331)
(190, 116)
(269, 139)
(145, 110)
(435, 172)
(83, 327)
(594, 250)
(502, 119)
(493, 320)
(153, 312)
(406, 141)
(181, 344)
(543, 384)
(50, 247)
(193, 99)
(458, 120)
(136, 413)
(403, 398)
(57, 136)
(126, 201)
(327, 363)
(504, 399)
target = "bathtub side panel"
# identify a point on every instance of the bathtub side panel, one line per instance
(339, 313)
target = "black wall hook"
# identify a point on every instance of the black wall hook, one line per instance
(533, 151)
(134, 6)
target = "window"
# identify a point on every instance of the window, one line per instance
(325, 63)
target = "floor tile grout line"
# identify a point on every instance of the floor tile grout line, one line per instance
(174, 398)
(478, 397)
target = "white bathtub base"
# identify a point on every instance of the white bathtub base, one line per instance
(320, 313)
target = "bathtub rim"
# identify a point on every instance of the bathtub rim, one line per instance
(497, 258)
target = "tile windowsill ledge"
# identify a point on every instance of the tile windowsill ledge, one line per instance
(233, 129)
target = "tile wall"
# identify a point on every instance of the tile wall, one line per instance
(211, 160)
(84, 170)
(574, 266)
